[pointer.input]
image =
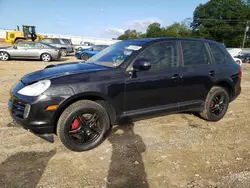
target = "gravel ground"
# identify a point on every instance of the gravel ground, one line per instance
(171, 151)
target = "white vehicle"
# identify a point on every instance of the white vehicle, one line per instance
(83, 46)
(234, 52)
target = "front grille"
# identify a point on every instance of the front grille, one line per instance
(18, 109)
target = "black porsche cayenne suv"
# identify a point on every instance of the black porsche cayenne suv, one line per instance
(131, 79)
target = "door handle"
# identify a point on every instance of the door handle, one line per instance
(212, 73)
(176, 77)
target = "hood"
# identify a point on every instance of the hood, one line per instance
(53, 71)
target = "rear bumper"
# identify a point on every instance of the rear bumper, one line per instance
(70, 50)
(237, 90)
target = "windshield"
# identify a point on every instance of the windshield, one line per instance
(114, 55)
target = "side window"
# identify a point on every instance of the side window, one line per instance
(161, 55)
(218, 54)
(56, 41)
(39, 45)
(194, 53)
(66, 41)
(46, 40)
(22, 45)
(31, 45)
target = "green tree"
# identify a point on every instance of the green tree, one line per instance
(222, 20)
(154, 30)
(129, 34)
(178, 30)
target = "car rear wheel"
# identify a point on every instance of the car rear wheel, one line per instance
(63, 52)
(83, 125)
(216, 104)
(84, 56)
(46, 57)
(4, 56)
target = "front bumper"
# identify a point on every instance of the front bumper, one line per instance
(38, 120)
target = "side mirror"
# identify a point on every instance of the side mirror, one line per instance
(141, 64)
(15, 47)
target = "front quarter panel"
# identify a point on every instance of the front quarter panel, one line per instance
(107, 84)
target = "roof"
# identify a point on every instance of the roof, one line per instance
(168, 38)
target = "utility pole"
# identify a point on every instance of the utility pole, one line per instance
(245, 35)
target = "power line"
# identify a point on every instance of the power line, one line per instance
(223, 20)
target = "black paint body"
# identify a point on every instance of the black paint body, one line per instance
(128, 94)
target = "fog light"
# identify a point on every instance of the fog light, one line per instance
(26, 111)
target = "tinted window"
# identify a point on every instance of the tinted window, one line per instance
(66, 41)
(56, 41)
(161, 55)
(218, 54)
(194, 53)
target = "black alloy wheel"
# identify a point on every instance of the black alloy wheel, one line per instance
(83, 125)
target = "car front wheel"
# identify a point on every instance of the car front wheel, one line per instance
(216, 104)
(84, 56)
(4, 56)
(83, 125)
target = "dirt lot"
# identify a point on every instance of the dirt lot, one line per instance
(172, 151)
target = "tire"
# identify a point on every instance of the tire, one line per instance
(63, 53)
(214, 110)
(19, 40)
(74, 138)
(4, 56)
(46, 57)
(84, 56)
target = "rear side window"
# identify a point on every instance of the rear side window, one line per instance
(66, 41)
(194, 53)
(56, 41)
(218, 54)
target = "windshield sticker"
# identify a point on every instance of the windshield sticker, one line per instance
(133, 47)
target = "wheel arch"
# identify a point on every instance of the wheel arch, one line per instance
(93, 96)
(45, 53)
(6, 52)
(17, 38)
(228, 86)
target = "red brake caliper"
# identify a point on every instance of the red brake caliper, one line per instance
(75, 124)
(212, 104)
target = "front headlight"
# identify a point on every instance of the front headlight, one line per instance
(36, 88)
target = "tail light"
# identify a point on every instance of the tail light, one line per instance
(240, 74)
(71, 44)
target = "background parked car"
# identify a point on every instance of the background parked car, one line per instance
(65, 45)
(87, 53)
(245, 58)
(30, 50)
(84, 45)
